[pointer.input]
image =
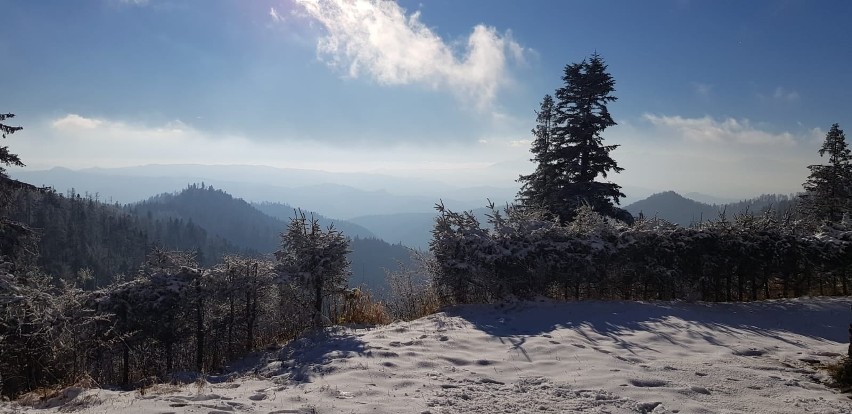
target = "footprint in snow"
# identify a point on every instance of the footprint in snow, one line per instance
(752, 352)
(647, 383)
(700, 390)
(456, 361)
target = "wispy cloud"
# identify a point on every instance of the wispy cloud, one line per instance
(816, 135)
(133, 2)
(702, 89)
(276, 17)
(726, 131)
(785, 95)
(378, 39)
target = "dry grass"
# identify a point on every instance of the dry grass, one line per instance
(67, 398)
(61, 394)
(413, 294)
(841, 373)
(360, 308)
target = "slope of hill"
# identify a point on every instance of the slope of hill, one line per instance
(602, 357)
(410, 229)
(673, 207)
(219, 213)
(285, 212)
(780, 203)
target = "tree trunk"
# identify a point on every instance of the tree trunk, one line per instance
(849, 352)
(251, 304)
(169, 358)
(199, 326)
(318, 299)
(231, 318)
(766, 285)
(125, 375)
(249, 323)
(753, 286)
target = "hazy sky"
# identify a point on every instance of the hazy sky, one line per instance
(730, 98)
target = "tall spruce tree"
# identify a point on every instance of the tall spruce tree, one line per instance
(828, 190)
(569, 148)
(7, 157)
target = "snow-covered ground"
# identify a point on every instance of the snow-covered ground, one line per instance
(599, 357)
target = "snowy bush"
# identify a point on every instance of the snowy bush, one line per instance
(521, 252)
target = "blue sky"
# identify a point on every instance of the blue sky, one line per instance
(730, 98)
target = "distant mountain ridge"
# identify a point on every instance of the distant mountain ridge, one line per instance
(333, 194)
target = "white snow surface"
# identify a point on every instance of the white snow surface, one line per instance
(530, 357)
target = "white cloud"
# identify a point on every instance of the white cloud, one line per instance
(79, 141)
(74, 121)
(377, 38)
(727, 131)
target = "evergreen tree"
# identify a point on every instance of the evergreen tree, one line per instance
(569, 147)
(314, 258)
(538, 185)
(7, 157)
(828, 190)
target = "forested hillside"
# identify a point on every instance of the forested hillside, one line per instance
(217, 212)
(80, 236)
(677, 209)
